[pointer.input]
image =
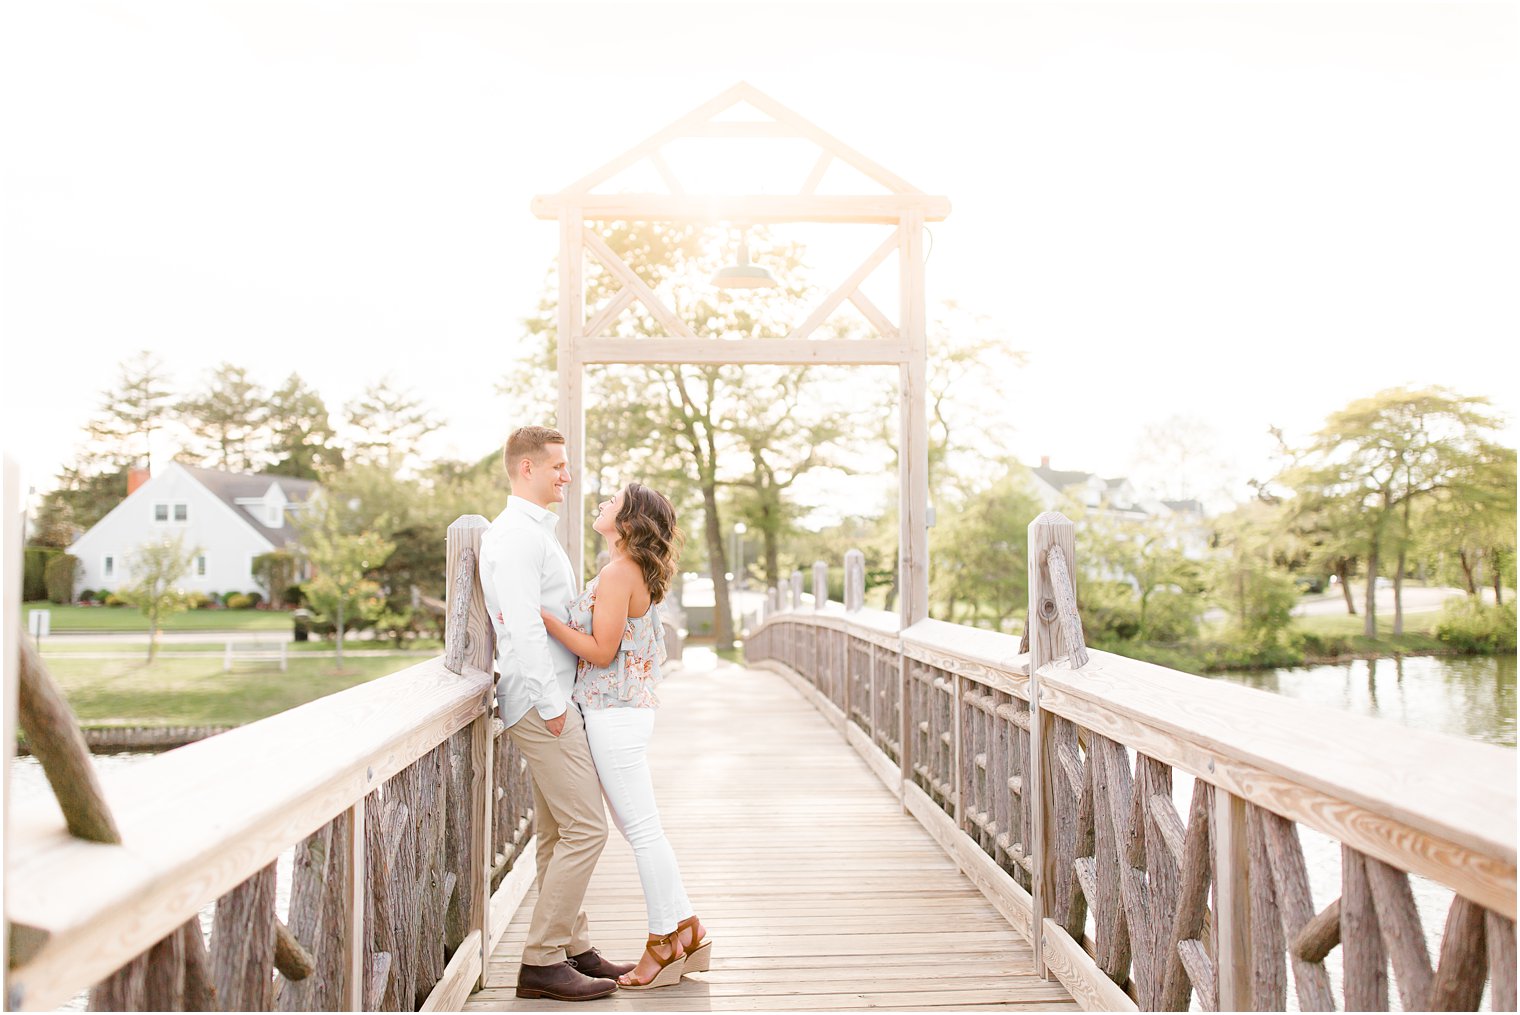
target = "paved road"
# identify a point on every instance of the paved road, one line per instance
(1417, 599)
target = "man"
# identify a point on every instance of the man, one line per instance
(522, 569)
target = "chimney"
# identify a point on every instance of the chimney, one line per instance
(136, 477)
(1044, 461)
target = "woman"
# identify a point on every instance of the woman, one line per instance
(615, 629)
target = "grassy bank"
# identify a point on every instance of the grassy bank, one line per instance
(195, 692)
(69, 619)
(1309, 641)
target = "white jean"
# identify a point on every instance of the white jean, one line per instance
(619, 739)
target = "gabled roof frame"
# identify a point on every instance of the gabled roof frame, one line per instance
(902, 344)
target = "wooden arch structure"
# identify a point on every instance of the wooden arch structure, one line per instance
(896, 203)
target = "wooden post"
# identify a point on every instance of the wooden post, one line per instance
(355, 939)
(904, 724)
(1232, 902)
(1050, 529)
(11, 510)
(572, 416)
(913, 442)
(466, 533)
(854, 580)
(796, 590)
(820, 585)
(957, 749)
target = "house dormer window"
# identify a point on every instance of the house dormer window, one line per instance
(160, 512)
(273, 516)
(181, 512)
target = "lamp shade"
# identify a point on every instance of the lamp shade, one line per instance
(743, 275)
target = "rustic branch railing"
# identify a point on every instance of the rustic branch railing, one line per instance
(409, 812)
(1054, 783)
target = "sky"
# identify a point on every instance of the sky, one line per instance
(1240, 214)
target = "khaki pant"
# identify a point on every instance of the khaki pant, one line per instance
(571, 828)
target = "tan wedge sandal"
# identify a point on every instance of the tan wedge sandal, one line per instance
(699, 952)
(671, 965)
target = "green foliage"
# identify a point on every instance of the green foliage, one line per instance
(301, 435)
(59, 575)
(239, 601)
(115, 599)
(344, 558)
(390, 422)
(229, 416)
(275, 571)
(1474, 627)
(156, 569)
(33, 572)
(979, 549)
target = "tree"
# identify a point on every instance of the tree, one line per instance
(1472, 523)
(980, 572)
(388, 424)
(1381, 456)
(678, 422)
(229, 416)
(1244, 578)
(131, 411)
(343, 558)
(276, 573)
(301, 435)
(156, 569)
(969, 359)
(1149, 554)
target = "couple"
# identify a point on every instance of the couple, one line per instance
(576, 690)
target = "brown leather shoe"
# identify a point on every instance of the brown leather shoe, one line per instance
(591, 963)
(561, 982)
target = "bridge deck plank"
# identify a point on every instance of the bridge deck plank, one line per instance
(818, 891)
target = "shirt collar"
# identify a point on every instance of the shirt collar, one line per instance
(541, 515)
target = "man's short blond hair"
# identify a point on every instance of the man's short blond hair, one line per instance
(528, 442)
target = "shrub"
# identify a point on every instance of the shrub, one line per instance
(33, 572)
(60, 574)
(1477, 628)
(87, 595)
(254, 599)
(197, 600)
(294, 596)
(238, 601)
(112, 599)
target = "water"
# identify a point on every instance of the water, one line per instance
(1468, 697)
(1473, 698)
(1462, 696)
(28, 783)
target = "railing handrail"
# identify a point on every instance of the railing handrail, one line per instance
(1466, 796)
(198, 821)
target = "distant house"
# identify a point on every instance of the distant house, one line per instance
(232, 517)
(1117, 498)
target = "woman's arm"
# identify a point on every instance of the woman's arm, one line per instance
(614, 593)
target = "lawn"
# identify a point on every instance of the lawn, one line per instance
(195, 692)
(424, 646)
(67, 619)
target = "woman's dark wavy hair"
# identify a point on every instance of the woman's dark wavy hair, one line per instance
(646, 527)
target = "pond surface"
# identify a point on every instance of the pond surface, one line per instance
(1472, 697)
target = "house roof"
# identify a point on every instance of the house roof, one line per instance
(230, 487)
(1060, 480)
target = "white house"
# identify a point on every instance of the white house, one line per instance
(232, 517)
(1117, 499)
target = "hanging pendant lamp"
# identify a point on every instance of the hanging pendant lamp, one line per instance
(743, 275)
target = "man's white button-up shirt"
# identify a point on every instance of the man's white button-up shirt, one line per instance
(522, 569)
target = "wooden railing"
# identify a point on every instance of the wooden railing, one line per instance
(1051, 781)
(410, 817)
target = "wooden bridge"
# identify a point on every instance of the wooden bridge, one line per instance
(882, 817)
